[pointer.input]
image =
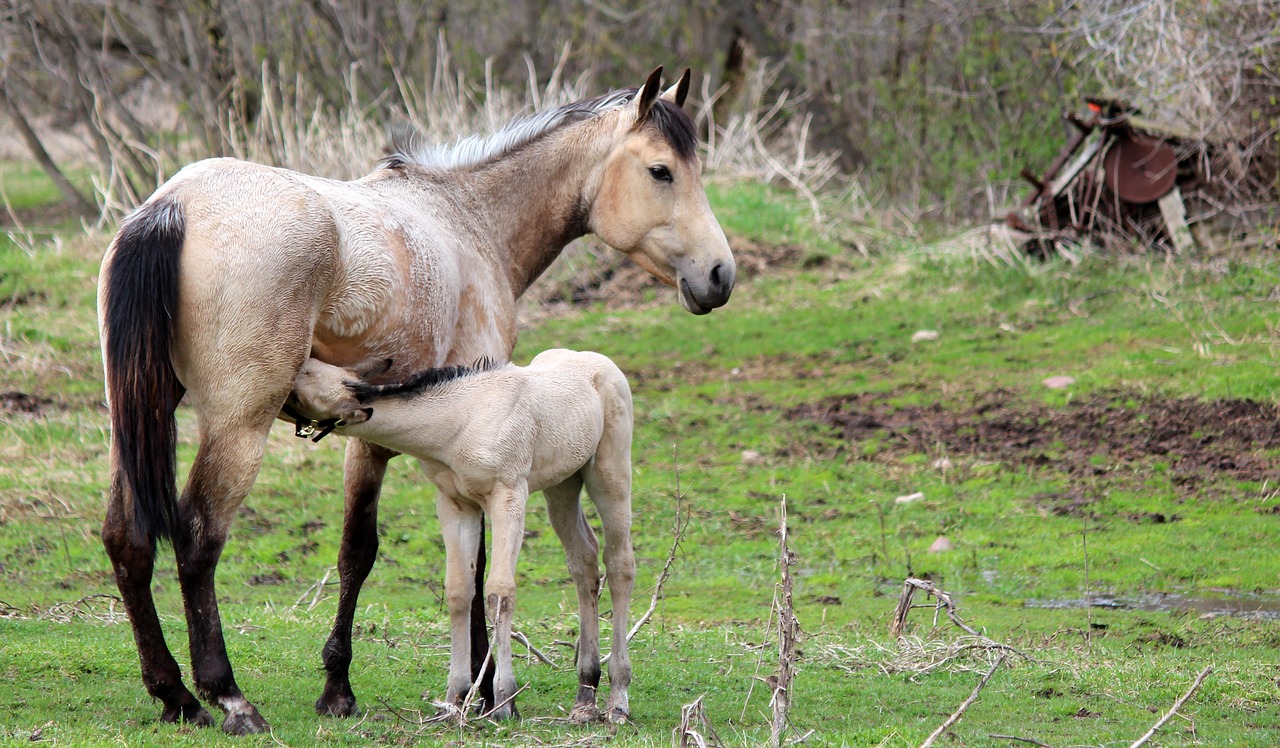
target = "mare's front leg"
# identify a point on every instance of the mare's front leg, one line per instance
(364, 468)
(506, 508)
(460, 524)
(224, 469)
(581, 552)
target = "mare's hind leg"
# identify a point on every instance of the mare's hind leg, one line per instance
(581, 552)
(363, 470)
(134, 562)
(224, 469)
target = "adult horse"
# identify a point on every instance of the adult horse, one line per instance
(223, 283)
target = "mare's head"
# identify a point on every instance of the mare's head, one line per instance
(651, 205)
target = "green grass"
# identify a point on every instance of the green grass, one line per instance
(25, 186)
(707, 389)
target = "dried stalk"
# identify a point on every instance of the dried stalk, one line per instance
(1174, 710)
(788, 632)
(958, 713)
(1018, 739)
(533, 650)
(899, 622)
(314, 591)
(694, 730)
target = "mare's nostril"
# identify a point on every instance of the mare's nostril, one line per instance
(716, 283)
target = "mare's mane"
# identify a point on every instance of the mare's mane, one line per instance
(671, 121)
(421, 381)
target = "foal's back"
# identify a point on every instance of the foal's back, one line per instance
(539, 424)
(562, 406)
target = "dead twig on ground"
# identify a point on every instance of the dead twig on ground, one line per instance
(1174, 710)
(909, 588)
(958, 713)
(313, 591)
(1016, 738)
(98, 607)
(694, 730)
(533, 650)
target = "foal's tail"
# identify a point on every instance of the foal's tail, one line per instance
(137, 304)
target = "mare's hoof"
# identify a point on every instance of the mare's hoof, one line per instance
(191, 714)
(244, 723)
(340, 705)
(617, 716)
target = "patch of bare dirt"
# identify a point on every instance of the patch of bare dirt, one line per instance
(21, 402)
(53, 214)
(1090, 437)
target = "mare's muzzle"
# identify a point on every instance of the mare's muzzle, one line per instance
(708, 292)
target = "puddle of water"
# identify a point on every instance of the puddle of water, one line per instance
(1257, 607)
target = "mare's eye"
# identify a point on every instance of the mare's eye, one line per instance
(660, 173)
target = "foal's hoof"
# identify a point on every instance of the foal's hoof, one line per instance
(191, 714)
(502, 712)
(617, 716)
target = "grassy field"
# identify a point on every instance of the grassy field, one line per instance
(1116, 531)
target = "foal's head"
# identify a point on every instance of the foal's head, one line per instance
(322, 391)
(651, 204)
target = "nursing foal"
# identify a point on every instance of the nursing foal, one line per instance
(487, 437)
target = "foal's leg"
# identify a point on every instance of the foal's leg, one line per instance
(460, 526)
(608, 481)
(581, 552)
(226, 464)
(506, 508)
(134, 562)
(363, 471)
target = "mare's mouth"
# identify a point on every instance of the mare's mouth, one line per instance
(689, 302)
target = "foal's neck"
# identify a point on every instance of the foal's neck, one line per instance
(423, 424)
(537, 198)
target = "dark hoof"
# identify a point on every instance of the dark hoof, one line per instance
(584, 714)
(191, 714)
(244, 723)
(340, 705)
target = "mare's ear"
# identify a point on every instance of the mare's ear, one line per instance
(648, 94)
(679, 92)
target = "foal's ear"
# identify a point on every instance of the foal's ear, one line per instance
(648, 94)
(372, 367)
(679, 92)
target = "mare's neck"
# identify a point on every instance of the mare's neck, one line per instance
(539, 198)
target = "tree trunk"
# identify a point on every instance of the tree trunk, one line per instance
(78, 201)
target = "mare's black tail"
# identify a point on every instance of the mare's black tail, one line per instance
(138, 305)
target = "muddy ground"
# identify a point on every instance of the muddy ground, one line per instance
(1199, 443)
